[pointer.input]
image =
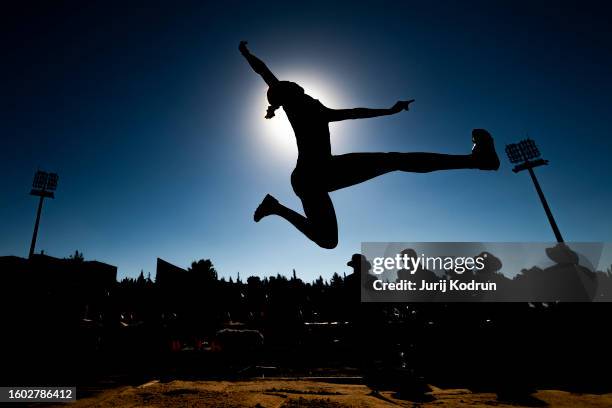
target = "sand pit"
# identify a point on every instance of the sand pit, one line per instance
(289, 393)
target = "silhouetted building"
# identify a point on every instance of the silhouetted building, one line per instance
(168, 275)
(60, 274)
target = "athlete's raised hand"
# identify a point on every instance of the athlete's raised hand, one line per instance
(401, 105)
(243, 48)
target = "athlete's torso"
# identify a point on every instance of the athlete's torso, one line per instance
(308, 117)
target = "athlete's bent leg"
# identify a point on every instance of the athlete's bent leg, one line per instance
(319, 224)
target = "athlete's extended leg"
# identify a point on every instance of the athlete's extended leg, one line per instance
(319, 224)
(354, 168)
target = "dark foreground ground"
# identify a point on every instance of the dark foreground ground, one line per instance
(283, 343)
(463, 359)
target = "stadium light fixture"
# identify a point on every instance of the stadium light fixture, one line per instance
(526, 155)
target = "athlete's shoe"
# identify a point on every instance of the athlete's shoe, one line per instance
(483, 151)
(265, 208)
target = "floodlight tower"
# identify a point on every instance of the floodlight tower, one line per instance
(526, 153)
(44, 185)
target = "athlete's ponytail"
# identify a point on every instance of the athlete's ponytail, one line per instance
(271, 110)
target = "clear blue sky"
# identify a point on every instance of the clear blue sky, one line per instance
(155, 124)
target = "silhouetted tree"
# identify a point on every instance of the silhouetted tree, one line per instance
(204, 269)
(77, 256)
(336, 281)
(140, 280)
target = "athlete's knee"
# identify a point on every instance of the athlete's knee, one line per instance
(328, 240)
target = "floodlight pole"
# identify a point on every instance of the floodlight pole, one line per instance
(42, 194)
(33, 244)
(551, 219)
(529, 165)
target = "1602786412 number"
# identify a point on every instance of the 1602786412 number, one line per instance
(37, 394)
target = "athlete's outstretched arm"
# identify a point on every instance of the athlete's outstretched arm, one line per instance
(257, 64)
(363, 113)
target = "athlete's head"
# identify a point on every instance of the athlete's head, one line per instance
(281, 93)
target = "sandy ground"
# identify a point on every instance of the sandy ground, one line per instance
(281, 393)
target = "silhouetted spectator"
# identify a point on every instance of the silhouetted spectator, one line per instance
(361, 274)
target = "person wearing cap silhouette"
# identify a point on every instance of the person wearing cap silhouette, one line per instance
(361, 276)
(318, 172)
(368, 319)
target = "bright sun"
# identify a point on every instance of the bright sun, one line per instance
(277, 133)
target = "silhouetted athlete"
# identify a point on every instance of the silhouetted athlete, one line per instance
(318, 172)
